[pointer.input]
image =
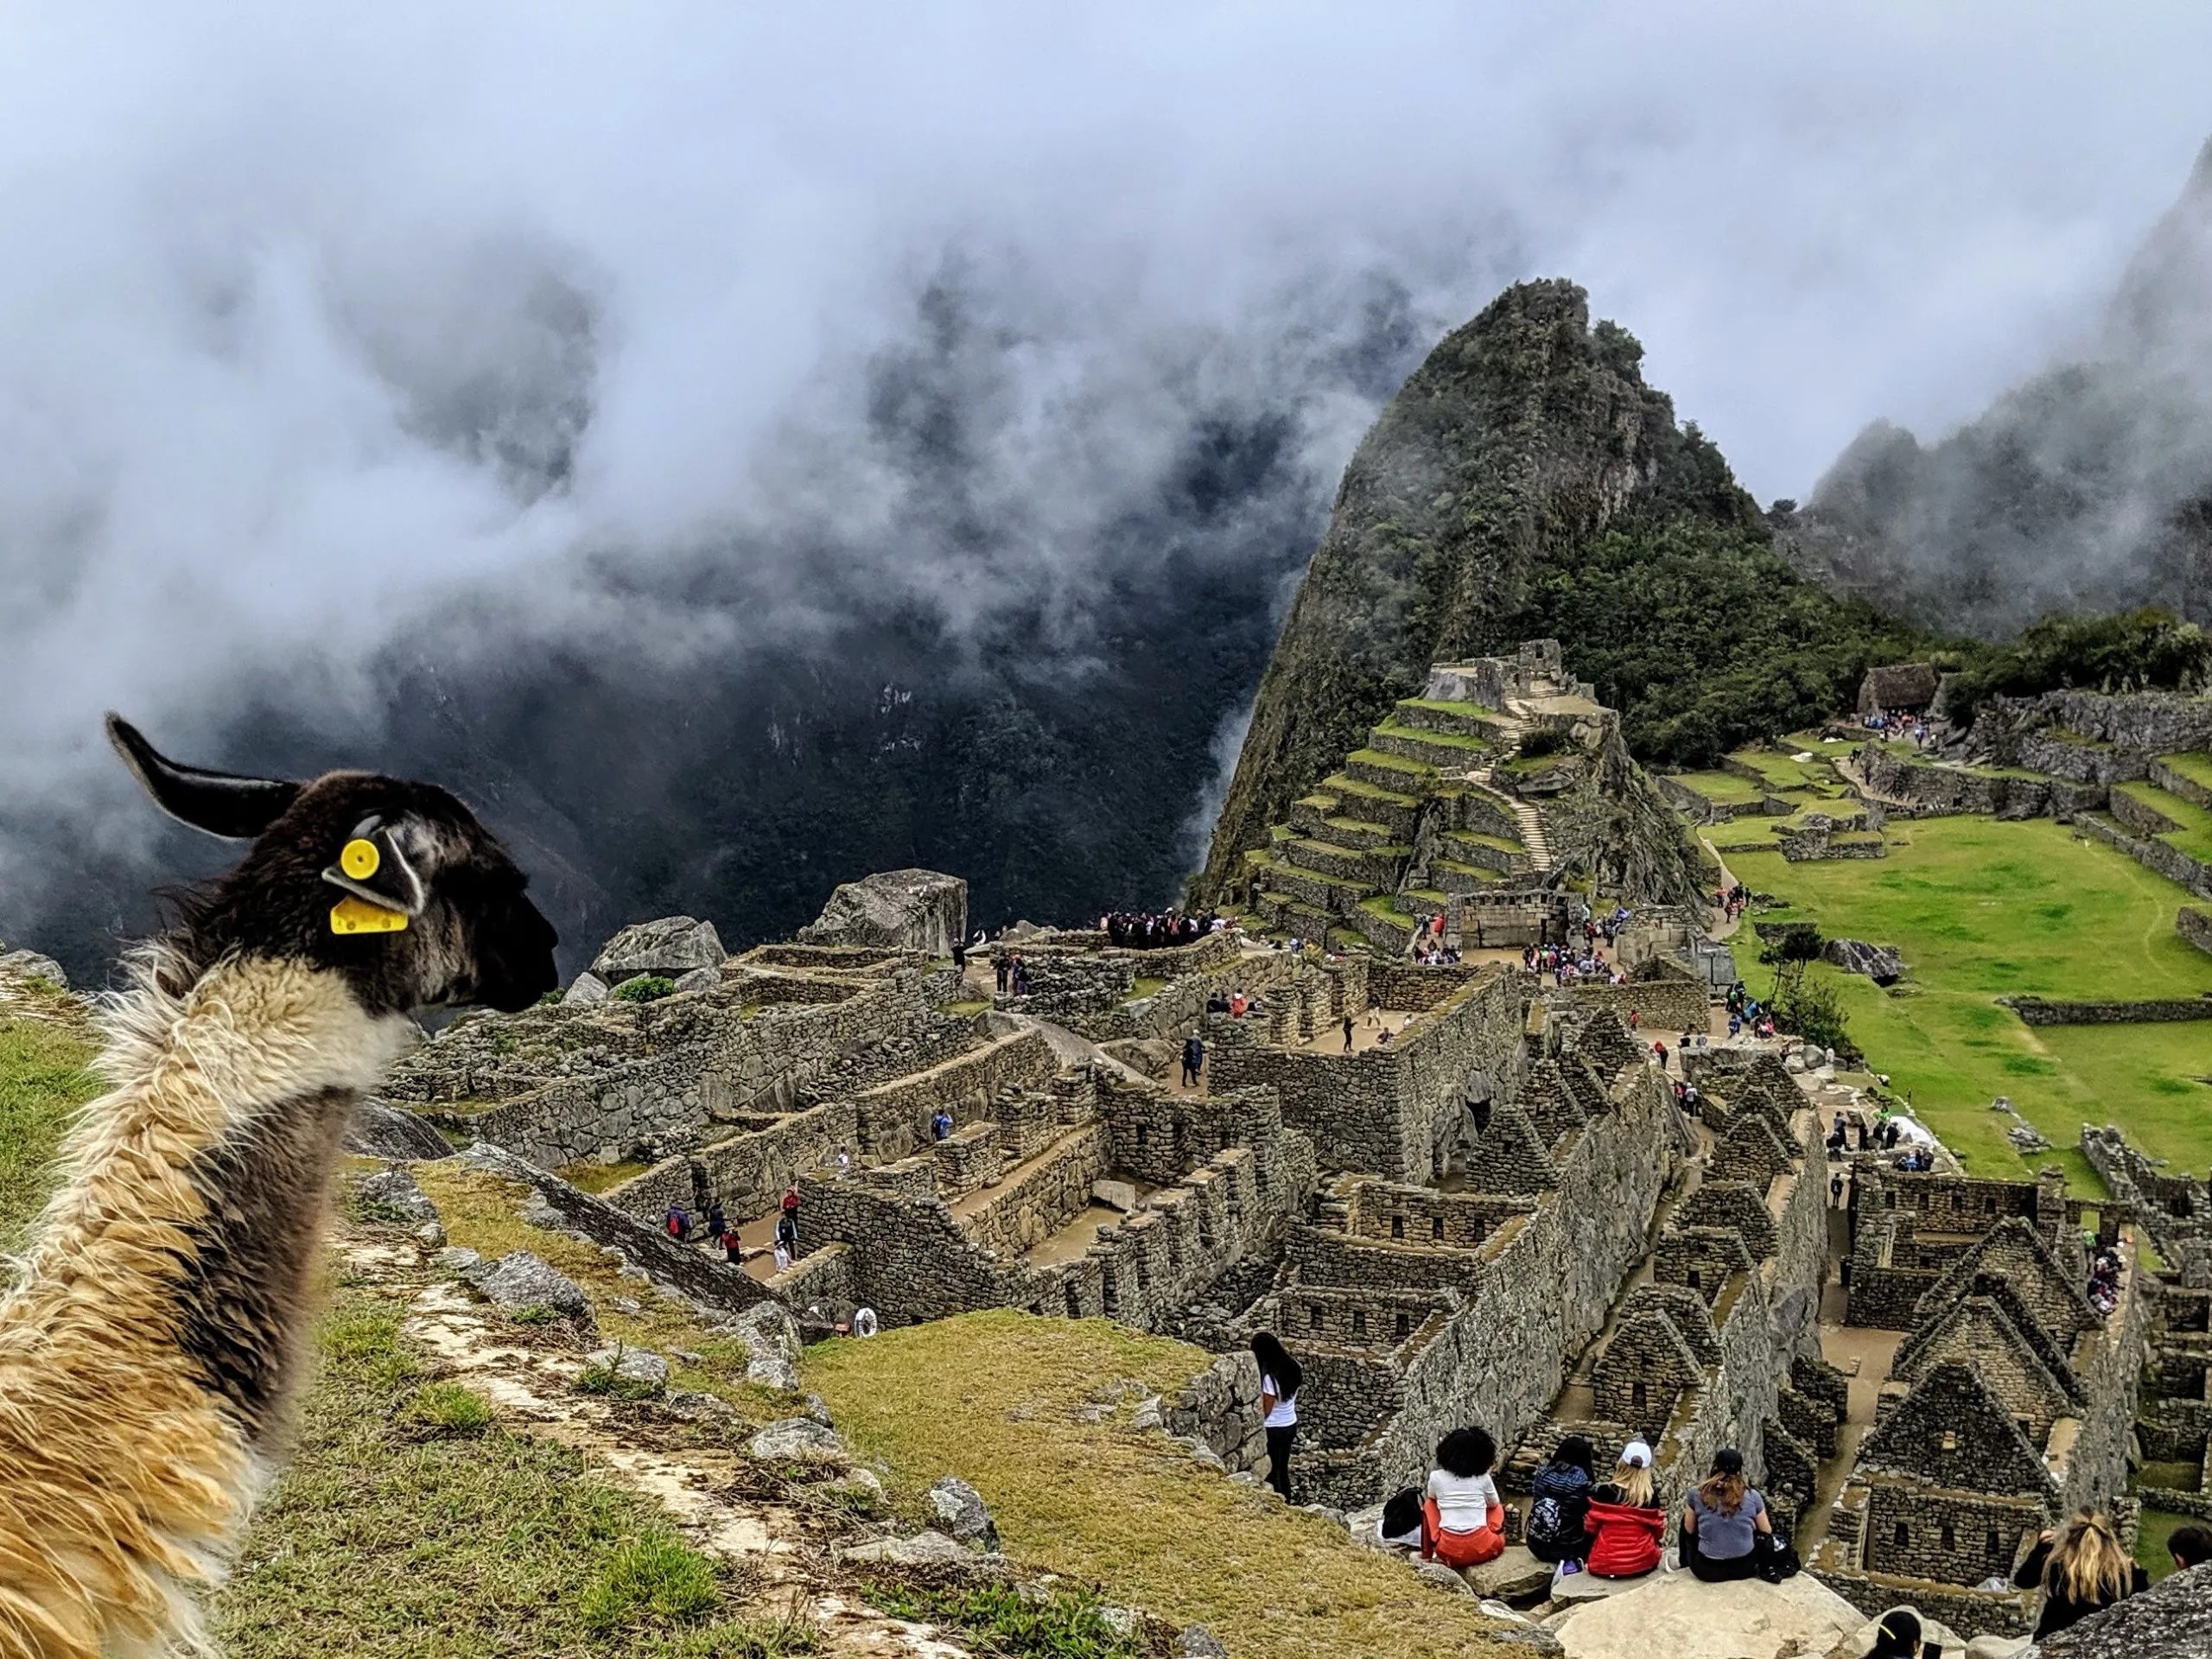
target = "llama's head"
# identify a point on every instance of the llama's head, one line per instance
(393, 884)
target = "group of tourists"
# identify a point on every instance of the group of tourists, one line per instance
(1135, 929)
(1913, 727)
(1730, 901)
(2104, 1279)
(1746, 1011)
(1010, 973)
(1567, 966)
(1235, 1003)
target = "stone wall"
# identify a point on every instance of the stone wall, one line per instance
(1219, 1408)
(1939, 788)
(1047, 1195)
(2164, 858)
(2179, 783)
(1538, 1287)
(1396, 1110)
(1664, 1004)
(1403, 986)
(2044, 1011)
(2194, 926)
(2173, 1208)
(1908, 1228)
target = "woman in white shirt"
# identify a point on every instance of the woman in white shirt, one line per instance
(1466, 1521)
(1279, 1375)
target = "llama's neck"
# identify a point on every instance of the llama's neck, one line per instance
(184, 1232)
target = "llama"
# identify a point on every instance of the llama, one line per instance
(149, 1351)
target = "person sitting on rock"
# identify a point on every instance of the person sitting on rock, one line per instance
(2190, 1546)
(1625, 1519)
(2080, 1570)
(1400, 1527)
(1557, 1499)
(1722, 1519)
(1465, 1521)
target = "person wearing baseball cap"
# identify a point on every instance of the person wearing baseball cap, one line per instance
(1624, 1520)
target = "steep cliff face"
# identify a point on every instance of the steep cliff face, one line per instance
(1526, 483)
(2088, 487)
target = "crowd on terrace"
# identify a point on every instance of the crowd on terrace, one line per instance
(1136, 930)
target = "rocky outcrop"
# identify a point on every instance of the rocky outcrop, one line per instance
(670, 948)
(1880, 962)
(380, 1131)
(903, 910)
(1675, 1614)
(2173, 1620)
(1525, 433)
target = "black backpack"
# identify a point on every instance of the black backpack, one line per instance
(1774, 1557)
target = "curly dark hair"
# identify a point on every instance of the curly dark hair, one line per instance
(1466, 1452)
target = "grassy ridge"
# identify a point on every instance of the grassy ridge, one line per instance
(44, 1077)
(1982, 910)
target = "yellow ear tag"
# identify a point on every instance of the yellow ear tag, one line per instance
(360, 858)
(351, 915)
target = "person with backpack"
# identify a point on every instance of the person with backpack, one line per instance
(1558, 1500)
(678, 1220)
(1465, 1519)
(717, 1223)
(1194, 1058)
(1625, 1519)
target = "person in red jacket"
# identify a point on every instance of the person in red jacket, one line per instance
(1625, 1522)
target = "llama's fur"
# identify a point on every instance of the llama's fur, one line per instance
(131, 1451)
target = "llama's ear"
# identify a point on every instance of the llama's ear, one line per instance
(220, 803)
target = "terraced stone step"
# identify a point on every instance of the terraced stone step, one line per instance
(1346, 830)
(1374, 868)
(1457, 718)
(1439, 749)
(1389, 771)
(1451, 876)
(1485, 852)
(1381, 923)
(1398, 813)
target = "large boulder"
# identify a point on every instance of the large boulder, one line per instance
(29, 964)
(377, 1130)
(1880, 962)
(393, 1195)
(772, 1346)
(2171, 1619)
(957, 1508)
(903, 910)
(670, 948)
(1675, 1613)
(524, 1278)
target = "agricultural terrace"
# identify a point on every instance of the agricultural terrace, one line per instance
(1983, 909)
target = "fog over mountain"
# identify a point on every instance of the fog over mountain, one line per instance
(738, 449)
(2088, 487)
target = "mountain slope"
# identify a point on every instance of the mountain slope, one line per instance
(2088, 487)
(1525, 482)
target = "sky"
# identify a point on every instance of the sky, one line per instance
(317, 322)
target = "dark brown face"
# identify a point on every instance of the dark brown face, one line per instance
(434, 915)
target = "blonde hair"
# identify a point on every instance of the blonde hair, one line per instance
(1723, 1493)
(2087, 1563)
(1635, 1482)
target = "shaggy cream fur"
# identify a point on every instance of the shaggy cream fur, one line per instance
(125, 1484)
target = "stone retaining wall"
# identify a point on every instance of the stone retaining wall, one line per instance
(2157, 855)
(2196, 926)
(2046, 1011)
(1669, 1004)
(1219, 1407)
(1045, 1197)
(2180, 782)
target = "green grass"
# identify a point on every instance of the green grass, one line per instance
(2197, 768)
(1982, 910)
(996, 1395)
(1058, 1624)
(385, 1542)
(1416, 772)
(2193, 825)
(2158, 1526)
(43, 1076)
(1782, 772)
(1436, 740)
(1721, 788)
(1473, 710)
(1359, 788)
(594, 1176)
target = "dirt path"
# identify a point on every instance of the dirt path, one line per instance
(533, 1392)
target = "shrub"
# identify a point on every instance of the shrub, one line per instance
(449, 1408)
(1056, 1623)
(644, 988)
(2149, 649)
(651, 1580)
(533, 1313)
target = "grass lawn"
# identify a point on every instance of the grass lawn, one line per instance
(42, 1079)
(2192, 831)
(1980, 909)
(1103, 1500)
(2158, 1526)
(2197, 768)
(1721, 788)
(1782, 772)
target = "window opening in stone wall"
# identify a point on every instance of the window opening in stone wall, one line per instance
(1313, 1319)
(1694, 1279)
(1358, 1322)
(1397, 1226)
(1436, 1227)
(1638, 1396)
(1993, 1545)
(1401, 1325)
(1903, 1535)
(1141, 1134)
(1950, 1538)
(2026, 1427)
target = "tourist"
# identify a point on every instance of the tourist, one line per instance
(678, 1222)
(2082, 1570)
(783, 1255)
(1558, 1497)
(844, 1163)
(864, 1323)
(1194, 1060)
(787, 1230)
(2190, 1546)
(1660, 1049)
(1238, 1003)
(1722, 1520)
(1347, 1033)
(1466, 1521)
(1897, 1636)
(1279, 1375)
(1400, 1527)
(1625, 1519)
(733, 1249)
(1002, 971)
(940, 1124)
(717, 1223)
